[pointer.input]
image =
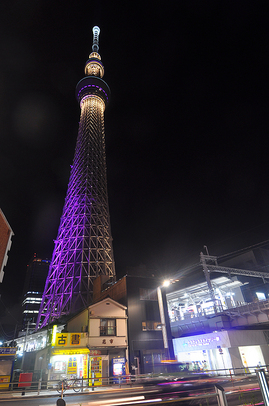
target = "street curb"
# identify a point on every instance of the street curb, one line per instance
(57, 395)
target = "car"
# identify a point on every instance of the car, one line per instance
(185, 385)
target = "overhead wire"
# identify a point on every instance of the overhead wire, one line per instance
(182, 272)
(7, 336)
(8, 311)
(266, 242)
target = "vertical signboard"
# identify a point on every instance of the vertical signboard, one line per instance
(85, 366)
(96, 370)
(72, 365)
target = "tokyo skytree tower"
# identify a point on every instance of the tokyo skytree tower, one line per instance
(83, 248)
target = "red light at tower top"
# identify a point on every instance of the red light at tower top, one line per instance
(83, 248)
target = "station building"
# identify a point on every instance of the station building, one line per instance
(238, 351)
(222, 334)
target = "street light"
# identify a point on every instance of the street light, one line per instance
(166, 283)
(40, 359)
(163, 324)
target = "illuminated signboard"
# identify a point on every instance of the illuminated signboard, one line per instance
(8, 350)
(75, 339)
(70, 351)
(72, 365)
(66, 339)
(54, 332)
(61, 339)
(201, 342)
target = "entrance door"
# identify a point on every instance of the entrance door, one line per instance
(251, 357)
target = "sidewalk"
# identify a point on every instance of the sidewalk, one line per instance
(53, 392)
(15, 394)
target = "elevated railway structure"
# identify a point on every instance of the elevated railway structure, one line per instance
(199, 308)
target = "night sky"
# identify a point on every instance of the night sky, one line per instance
(186, 128)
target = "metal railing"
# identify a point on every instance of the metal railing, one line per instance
(234, 311)
(51, 387)
(106, 381)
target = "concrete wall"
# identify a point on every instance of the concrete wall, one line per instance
(104, 309)
(94, 327)
(121, 328)
(78, 322)
(235, 358)
(107, 308)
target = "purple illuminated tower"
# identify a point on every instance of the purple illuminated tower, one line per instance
(83, 249)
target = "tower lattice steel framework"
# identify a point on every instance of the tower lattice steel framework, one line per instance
(83, 249)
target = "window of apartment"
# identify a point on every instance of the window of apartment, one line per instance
(151, 325)
(148, 294)
(107, 327)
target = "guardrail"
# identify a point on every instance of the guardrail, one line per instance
(52, 387)
(90, 384)
(94, 382)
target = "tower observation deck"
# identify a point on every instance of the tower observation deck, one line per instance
(83, 248)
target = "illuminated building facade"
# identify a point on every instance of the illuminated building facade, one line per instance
(36, 274)
(83, 248)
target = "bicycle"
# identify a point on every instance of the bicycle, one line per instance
(65, 384)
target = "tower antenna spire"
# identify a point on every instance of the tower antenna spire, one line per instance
(95, 43)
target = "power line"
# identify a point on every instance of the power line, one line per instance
(7, 310)
(244, 249)
(7, 336)
(183, 271)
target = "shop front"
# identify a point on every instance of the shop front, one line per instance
(79, 363)
(68, 362)
(71, 357)
(241, 351)
(7, 358)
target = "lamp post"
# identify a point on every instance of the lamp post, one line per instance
(207, 277)
(40, 359)
(162, 316)
(24, 346)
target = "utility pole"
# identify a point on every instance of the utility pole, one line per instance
(207, 277)
(164, 331)
(24, 345)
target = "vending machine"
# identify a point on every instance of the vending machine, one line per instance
(118, 368)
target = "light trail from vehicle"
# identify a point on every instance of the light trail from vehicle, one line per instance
(119, 400)
(132, 400)
(138, 402)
